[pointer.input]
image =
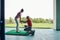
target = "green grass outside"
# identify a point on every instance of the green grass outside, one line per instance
(35, 25)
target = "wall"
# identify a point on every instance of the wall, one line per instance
(58, 14)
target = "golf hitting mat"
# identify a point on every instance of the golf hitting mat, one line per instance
(13, 32)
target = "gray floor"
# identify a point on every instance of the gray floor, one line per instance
(40, 34)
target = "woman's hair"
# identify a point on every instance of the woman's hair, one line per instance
(22, 10)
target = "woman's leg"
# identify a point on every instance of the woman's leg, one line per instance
(17, 28)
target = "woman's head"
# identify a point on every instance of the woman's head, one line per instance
(22, 10)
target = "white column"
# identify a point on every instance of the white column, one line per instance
(54, 13)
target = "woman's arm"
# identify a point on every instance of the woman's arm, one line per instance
(20, 18)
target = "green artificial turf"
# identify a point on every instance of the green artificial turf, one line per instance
(13, 32)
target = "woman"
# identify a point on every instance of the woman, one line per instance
(17, 17)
